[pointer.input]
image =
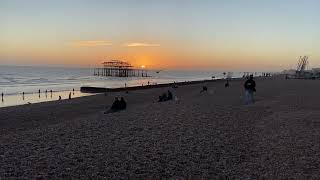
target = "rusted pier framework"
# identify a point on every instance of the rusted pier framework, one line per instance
(118, 68)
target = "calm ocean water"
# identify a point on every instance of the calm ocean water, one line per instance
(17, 79)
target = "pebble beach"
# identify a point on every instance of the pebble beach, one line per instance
(211, 135)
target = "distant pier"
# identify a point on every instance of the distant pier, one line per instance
(118, 68)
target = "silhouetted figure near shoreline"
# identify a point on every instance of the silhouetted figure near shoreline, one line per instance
(39, 93)
(23, 96)
(70, 95)
(250, 88)
(2, 97)
(46, 93)
(174, 85)
(73, 91)
(59, 98)
(51, 93)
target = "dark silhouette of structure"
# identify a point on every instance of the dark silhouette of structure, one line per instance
(118, 68)
(301, 67)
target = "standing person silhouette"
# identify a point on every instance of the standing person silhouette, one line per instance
(2, 97)
(250, 88)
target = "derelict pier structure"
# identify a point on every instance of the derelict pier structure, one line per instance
(118, 68)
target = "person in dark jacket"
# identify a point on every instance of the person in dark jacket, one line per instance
(250, 88)
(226, 84)
(170, 96)
(122, 104)
(115, 105)
(204, 89)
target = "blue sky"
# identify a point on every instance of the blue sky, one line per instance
(250, 32)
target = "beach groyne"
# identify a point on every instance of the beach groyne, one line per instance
(87, 89)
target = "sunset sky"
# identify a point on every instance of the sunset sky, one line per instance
(175, 34)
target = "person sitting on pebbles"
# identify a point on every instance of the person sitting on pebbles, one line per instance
(122, 104)
(117, 105)
(204, 89)
(163, 97)
(166, 96)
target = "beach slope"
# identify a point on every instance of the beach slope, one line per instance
(202, 135)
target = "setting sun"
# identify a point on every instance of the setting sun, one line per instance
(143, 66)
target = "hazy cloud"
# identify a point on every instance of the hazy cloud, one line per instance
(141, 45)
(92, 43)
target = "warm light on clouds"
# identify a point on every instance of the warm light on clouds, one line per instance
(141, 44)
(161, 34)
(92, 43)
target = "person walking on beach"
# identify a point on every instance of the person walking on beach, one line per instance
(250, 88)
(70, 95)
(2, 97)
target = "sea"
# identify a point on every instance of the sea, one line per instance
(18, 80)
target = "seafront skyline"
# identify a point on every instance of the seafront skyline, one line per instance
(231, 35)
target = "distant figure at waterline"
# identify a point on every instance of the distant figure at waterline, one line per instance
(163, 97)
(70, 95)
(59, 98)
(2, 97)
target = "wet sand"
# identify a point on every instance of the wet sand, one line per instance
(31, 98)
(209, 135)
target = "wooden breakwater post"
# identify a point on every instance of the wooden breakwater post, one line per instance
(118, 68)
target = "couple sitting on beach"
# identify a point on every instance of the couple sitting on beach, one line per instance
(166, 97)
(117, 105)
